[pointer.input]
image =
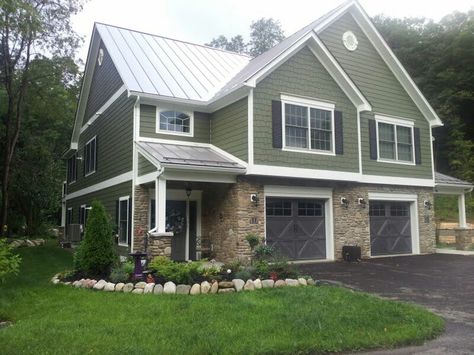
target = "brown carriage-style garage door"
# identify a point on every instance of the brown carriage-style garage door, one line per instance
(390, 227)
(296, 227)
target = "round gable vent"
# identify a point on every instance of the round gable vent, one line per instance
(350, 40)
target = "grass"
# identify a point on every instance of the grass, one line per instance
(62, 320)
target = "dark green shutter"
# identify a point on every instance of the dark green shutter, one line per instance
(277, 124)
(416, 136)
(96, 152)
(338, 133)
(373, 139)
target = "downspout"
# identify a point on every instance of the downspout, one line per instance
(161, 170)
(134, 169)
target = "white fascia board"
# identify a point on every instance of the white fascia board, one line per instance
(297, 191)
(143, 179)
(394, 64)
(125, 177)
(148, 157)
(315, 174)
(199, 176)
(389, 196)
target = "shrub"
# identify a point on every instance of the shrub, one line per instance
(263, 251)
(118, 274)
(9, 262)
(253, 240)
(243, 274)
(262, 269)
(181, 273)
(128, 267)
(283, 269)
(96, 254)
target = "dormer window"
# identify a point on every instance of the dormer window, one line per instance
(174, 122)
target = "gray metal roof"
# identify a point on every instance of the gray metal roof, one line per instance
(446, 180)
(161, 66)
(177, 155)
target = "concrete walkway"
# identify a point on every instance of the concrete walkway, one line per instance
(440, 282)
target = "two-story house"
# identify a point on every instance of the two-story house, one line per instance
(322, 141)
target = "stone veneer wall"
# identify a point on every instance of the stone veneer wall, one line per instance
(140, 216)
(228, 216)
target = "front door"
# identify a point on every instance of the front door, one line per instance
(176, 223)
(296, 227)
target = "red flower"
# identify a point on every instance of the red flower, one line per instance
(273, 275)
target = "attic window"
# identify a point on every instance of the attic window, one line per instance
(350, 40)
(175, 122)
(100, 57)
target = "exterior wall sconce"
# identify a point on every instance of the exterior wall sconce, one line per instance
(254, 198)
(79, 157)
(344, 202)
(428, 204)
(189, 190)
(361, 202)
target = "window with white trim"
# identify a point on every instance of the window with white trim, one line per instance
(309, 126)
(84, 215)
(395, 141)
(123, 220)
(72, 169)
(90, 156)
(174, 122)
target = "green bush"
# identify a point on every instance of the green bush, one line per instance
(128, 267)
(262, 269)
(253, 240)
(9, 262)
(264, 251)
(118, 274)
(243, 274)
(181, 273)
(96, 254)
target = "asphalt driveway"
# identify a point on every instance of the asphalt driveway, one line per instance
(439, 282)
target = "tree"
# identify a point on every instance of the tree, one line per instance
(27, 28)
(9, 262)
(235, 44)
(264, 34)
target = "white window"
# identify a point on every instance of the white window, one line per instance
(395, 140)
(84, 215)
(69, 216)
(123, 218)
(308, 125)
(171, 121)
(72, 169)
(90, 157)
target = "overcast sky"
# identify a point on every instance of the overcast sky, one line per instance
(199, 21)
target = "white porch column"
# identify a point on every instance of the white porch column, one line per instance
(160, 204)
(462, 211)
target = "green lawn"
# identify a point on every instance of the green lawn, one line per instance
(62, 320)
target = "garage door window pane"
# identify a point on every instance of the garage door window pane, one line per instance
(310, 209)
(279, 208)
(377, 209)
(398, 210)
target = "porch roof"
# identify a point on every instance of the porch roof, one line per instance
(191, 156)
(443, 180)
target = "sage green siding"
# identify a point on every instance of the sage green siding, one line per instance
(148, 126)
(229, 129)
(378, 84)
(107, 196)
(302, 75)
(144, 166)
(114, 132)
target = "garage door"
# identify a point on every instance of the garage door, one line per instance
(390, 227)
(296, 227)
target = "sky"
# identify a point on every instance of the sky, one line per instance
(199, 21)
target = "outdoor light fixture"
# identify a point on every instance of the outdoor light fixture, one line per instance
(254, 198)
(361, 202)
(188, 190)
(344, 202)
(79, 157)
(427, 204)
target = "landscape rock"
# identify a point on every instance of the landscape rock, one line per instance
(238, 284)
(128, 287)
(280, 283)
(169, 288)
(100, 285)
(149, 287)
(76, 284)
(90, 283)
(292, 282)
(226, 284)
(183, 289)
(140, 284)
(226, 290)
(119, 287)
(205, 287)
(311, 282)
(30, 243)
(158, 289)
(195, 289)
(249, 286)
(268, 283)
(138, 291)
(67, 283)
(215, 287)
(109, 287)
(302, 281)
(257, 283)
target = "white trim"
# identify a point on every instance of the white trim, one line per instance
(250, 127)
(119, 179)
(136, 130)
(462, 211)
(308, 192)
(359, 141)
(308, 104)
(197, 176)
(414, 223)
(143, 179)
(103, 108)
(95, 156)
(158, 130)
(395, 122)
(160, 204)
(124, 198)
(315, 174)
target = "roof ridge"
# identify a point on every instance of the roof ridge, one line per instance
(173, 39)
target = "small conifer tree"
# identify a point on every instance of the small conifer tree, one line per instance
(96, 254)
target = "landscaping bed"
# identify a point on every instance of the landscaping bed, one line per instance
(62, 319)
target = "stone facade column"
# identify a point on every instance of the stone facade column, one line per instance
(140, 217)
(426, 221)
(160, 245)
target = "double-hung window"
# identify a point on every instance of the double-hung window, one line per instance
(83, 215)
(123, 220)
(72, 169)
(395, 140)
(90, 156)
(174, 122)
(308, 126)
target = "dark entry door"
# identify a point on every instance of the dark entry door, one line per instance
(176, 223)
(296, 227)
(390, 227)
